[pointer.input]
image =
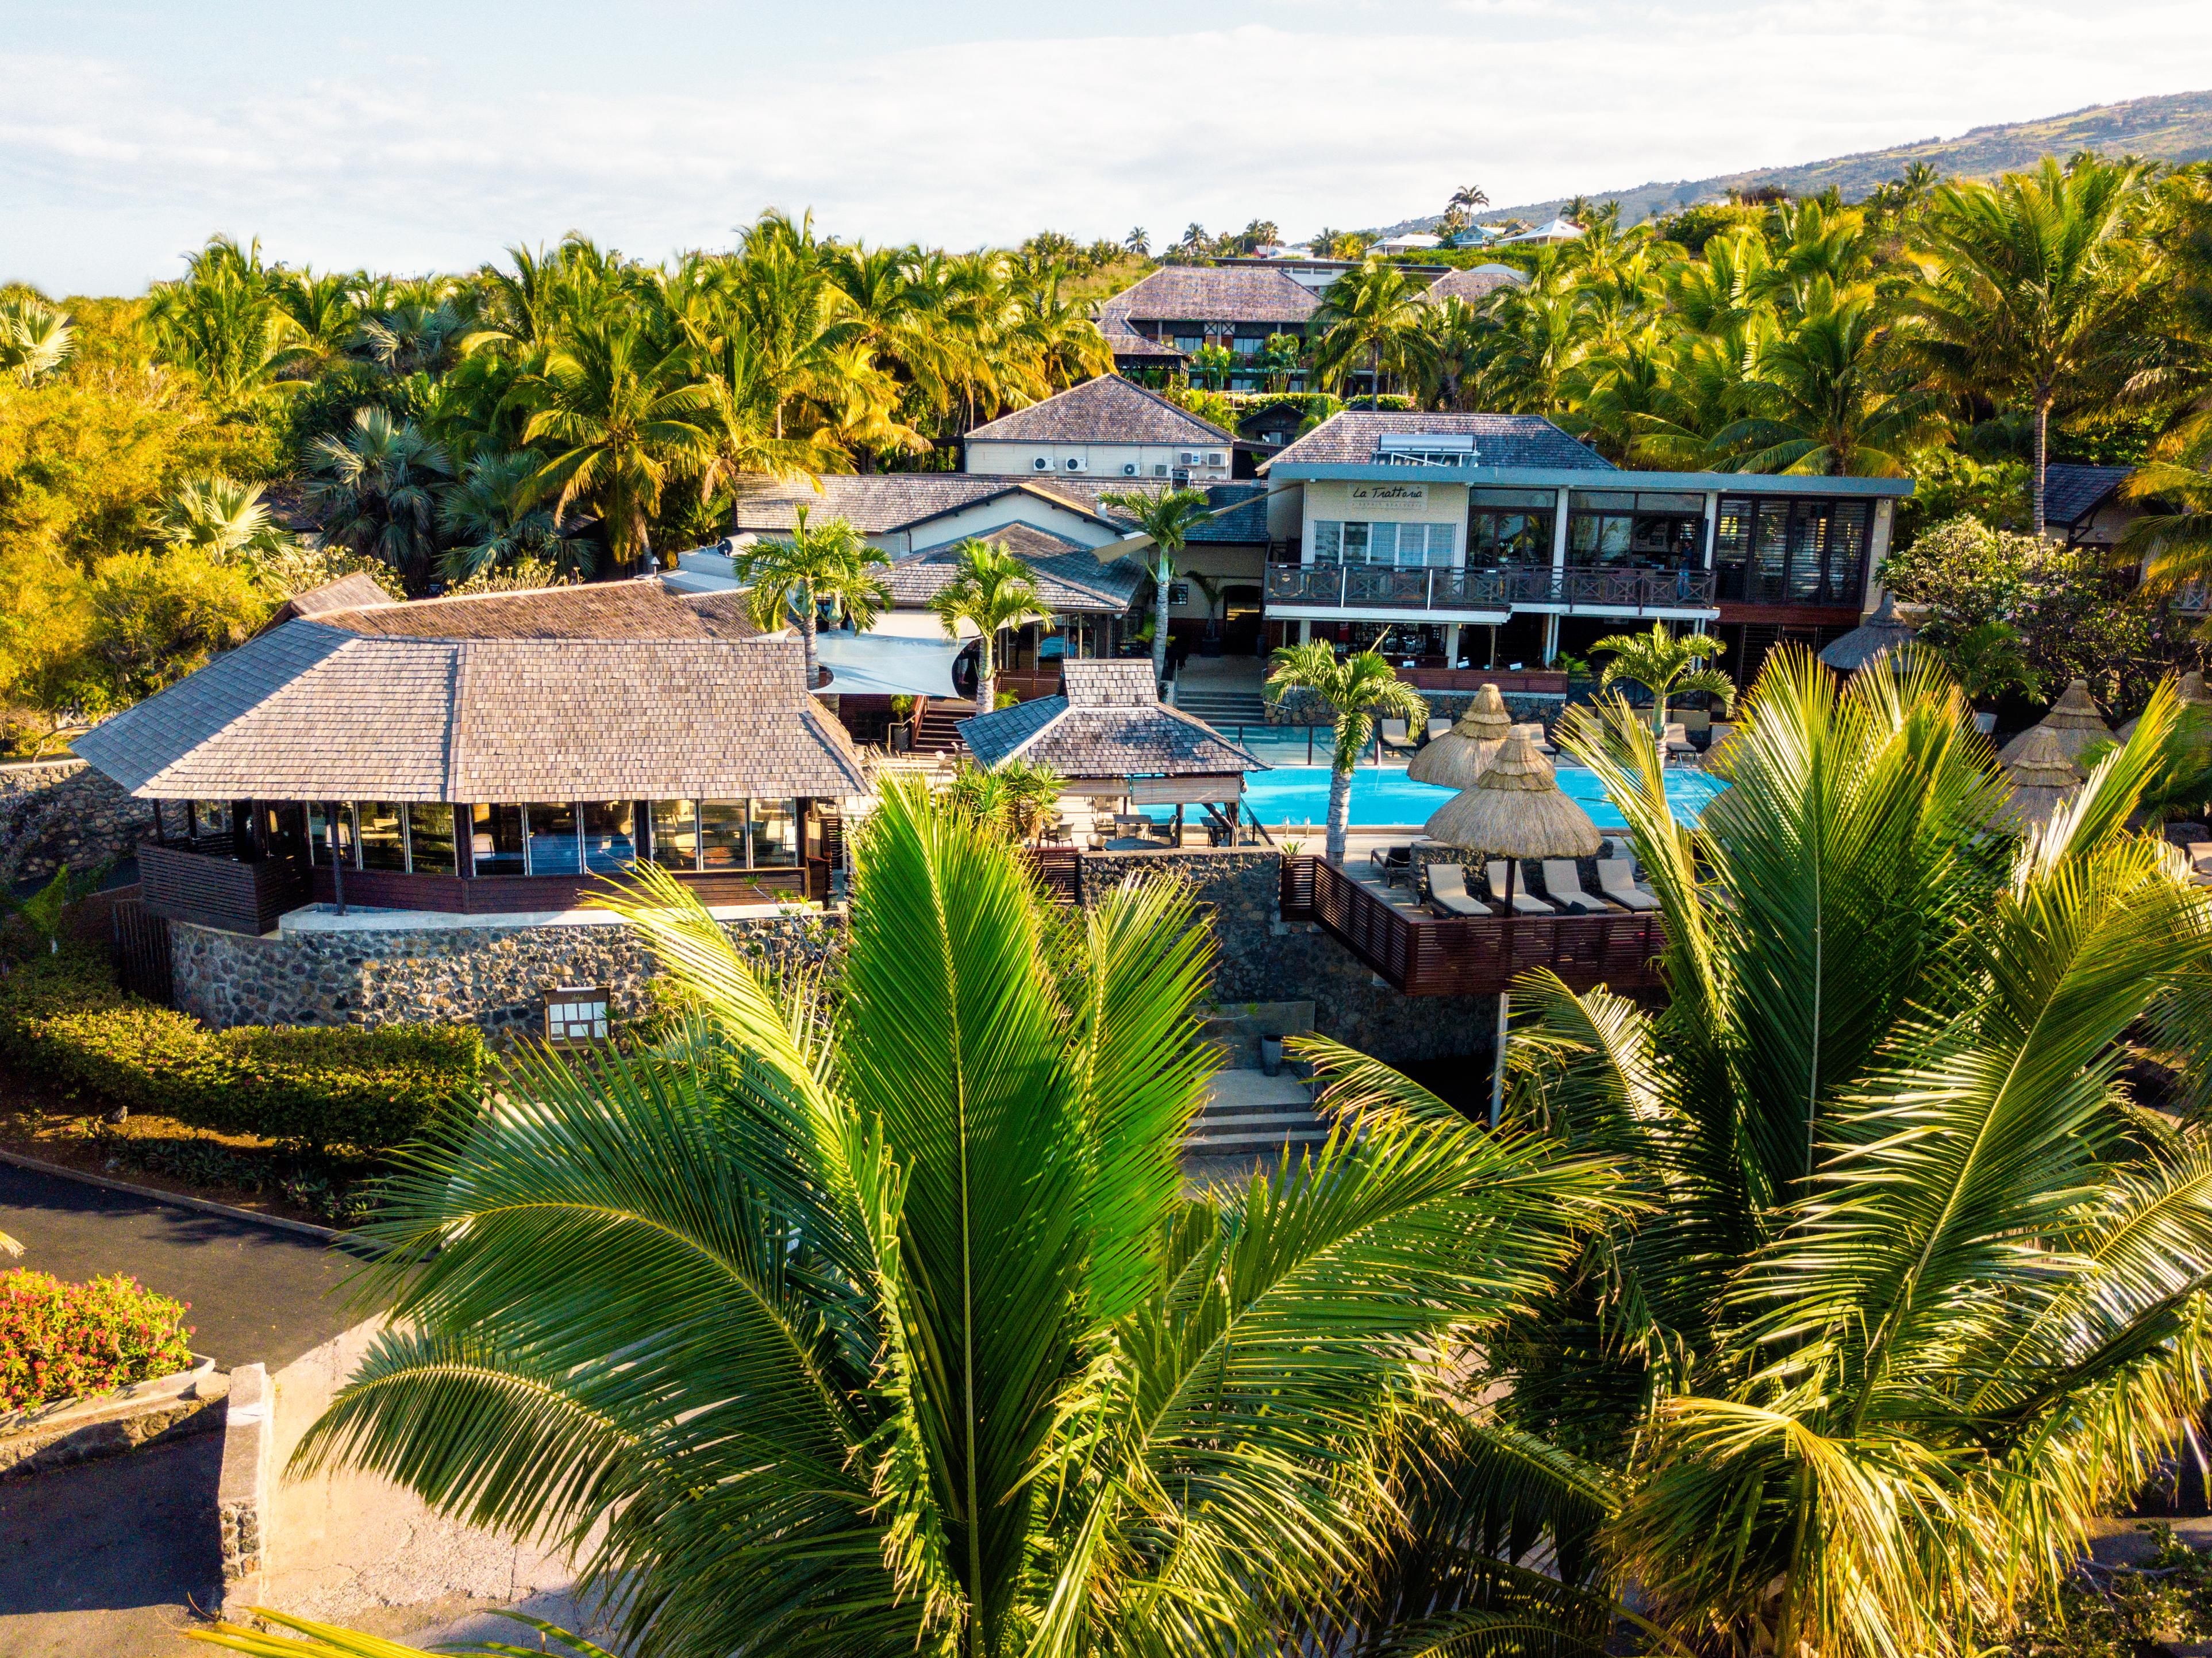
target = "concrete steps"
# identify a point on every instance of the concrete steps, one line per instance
(1220, 708)
(1248, 1111)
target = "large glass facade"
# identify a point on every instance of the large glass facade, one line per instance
(722, 834)
(1403, 545)
(320, 825)
(382, 828)
(1779, 549)
(1640, 528)
(1510, 526)
(775, 825)
(549, 832)
(430, 839)
(609, 835)
(495, 840)
(676, 834)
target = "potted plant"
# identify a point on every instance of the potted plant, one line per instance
(1987, 661)
(902, 729)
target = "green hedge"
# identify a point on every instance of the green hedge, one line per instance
(63, 1022)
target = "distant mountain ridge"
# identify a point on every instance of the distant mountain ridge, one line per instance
(2177, 127)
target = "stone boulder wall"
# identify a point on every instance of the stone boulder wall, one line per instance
(62, 810)
(493, 977)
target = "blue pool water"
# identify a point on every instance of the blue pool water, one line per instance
(1299, 795)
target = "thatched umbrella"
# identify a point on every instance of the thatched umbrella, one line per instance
(2073, 718)
(1463, 754)
(1516, 810)
(2043, 775)
(2193, 695)
(1885, 630)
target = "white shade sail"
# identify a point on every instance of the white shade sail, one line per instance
(880, 664)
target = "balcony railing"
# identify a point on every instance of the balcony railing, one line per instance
(1467, 955)
(1382, 587)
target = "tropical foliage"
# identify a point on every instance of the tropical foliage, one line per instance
(923, 1347)
(992, 590)
(1353, 692)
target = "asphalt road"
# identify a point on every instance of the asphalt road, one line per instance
(256, 1292)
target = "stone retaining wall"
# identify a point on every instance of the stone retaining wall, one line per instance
(491, 976)
(57, 810)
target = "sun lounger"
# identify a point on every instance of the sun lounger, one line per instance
(1534, 730)
(1448, 891)
(1616, 879)
(1394, 737)
(1438, 727)
(1524, 902)
(1391, 862)
(1562, 883)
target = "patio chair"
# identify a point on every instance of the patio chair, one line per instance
(1448, 891)
(1394, 737)
(1616, 879)
(1525, 902)
(1392, 862)
(1563, 881)
(1677, 744)
(1438, 727)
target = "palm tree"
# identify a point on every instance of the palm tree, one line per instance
(35, 338)
(879, 1323)
(1374, 316)
(374, 491)
(1468, 197)
(1357, 691)
(992, 590)
(1165, 520)
(1542, 330)
(623, 416)
(490, 521)
(2034, 286)
(1666, 665)
(793, 579)
(222, 520)
(222, 322)
(1913, 1294)
(319, 316)
(1138, 242)
(2175, 545)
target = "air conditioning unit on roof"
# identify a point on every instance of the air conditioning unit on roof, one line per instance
(1042, 463)
(1128, 468)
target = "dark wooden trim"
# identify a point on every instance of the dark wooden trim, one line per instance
(179, 885)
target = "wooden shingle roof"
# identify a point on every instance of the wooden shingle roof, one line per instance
(1109, 723)
(1108, 410)
(597, 609)
(1190, 293)
(880, 503)
(1069, 578)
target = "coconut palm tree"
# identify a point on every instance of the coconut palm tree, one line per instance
(1166, 520)
(790, 580)
(1357, 691)
(222, 321)
(2034, 286)
(374, 491)
(992, 590)
(36, 338)
(319, 315)
(622, 415)
(1666, 665)
(879, 1324)
(2174, 545)
(1372, 317)
(1917, 1289)
(223, 520)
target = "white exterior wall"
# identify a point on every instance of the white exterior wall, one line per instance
(988, 515)
(1236, 566)
(1102, 460)
(1421, 502)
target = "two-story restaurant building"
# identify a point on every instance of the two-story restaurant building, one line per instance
(1498, 540)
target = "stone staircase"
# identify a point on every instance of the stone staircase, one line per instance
(936, 734)
(1224, 707)
(1250, 1113)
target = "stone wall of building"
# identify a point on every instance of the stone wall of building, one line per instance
(58, 811)
(493, 977)
(1259, 958)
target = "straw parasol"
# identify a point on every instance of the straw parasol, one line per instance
(2193, 695)
(2043, 775)
(1516, 809)
(1463, 754)
(1885, 630)
(2073, 718)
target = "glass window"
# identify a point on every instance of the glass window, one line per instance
(1600, 538)
(775, 833)
(430, 838)
(1355, 544)
(676, 834)
(609, 835)
(1732, 532)
(722, 834)
(550, 829)
(1847, 534)
(383, 829)
(1504, 537)
(210, 819)
(1383, 542)
(1328, 542)
(1670, 541)
(1647, 502)
(1603, 501)
(1542, 499)
(495, 840)
(318, 833)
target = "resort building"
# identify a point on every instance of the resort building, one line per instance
(1476, 283)
(483, 756)
(1236, 306)
(1107, 429)
(1493, 540)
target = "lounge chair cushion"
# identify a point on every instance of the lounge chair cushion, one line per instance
(1448, 891)
(1524, 902)
(1616, 879)
(1563, 881)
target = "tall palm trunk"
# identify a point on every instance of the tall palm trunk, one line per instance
(986, 676)
(2042, 451)
(1340, 806)
(1162, 577)
(806, 624)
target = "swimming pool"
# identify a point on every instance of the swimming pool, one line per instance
(1299, 795)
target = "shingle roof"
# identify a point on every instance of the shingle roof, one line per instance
(314, 712)
(879, 503)
(1125, 342)
(1068, 577)
(359, 590)
(1187, 292)
(598, 609)
(1472, 285)
(1109, 723)
(1108, 410)
(1500, 441)
(2071, 493)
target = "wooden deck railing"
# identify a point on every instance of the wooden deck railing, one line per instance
(1460, 956)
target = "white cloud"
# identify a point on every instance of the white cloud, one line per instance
(106, 172)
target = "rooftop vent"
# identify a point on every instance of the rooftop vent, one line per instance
(1427, 449)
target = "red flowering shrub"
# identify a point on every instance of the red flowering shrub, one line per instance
(65, 1340)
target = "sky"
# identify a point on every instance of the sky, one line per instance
(408, 137)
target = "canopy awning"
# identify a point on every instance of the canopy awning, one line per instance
(885, 665)
(916, 624)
